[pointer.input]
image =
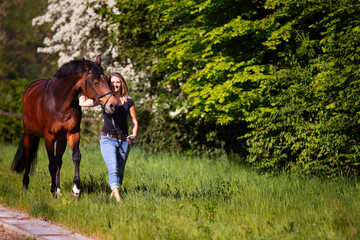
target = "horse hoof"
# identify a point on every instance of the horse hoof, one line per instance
(75, 195)
(59, 192)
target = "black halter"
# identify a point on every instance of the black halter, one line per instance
(94, 91)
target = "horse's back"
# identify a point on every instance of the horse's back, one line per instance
(35, 88)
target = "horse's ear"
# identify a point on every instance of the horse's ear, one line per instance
(98, 59)
(87, 65)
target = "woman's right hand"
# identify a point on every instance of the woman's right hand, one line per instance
(83, 102)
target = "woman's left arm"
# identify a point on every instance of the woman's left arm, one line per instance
(134, 122)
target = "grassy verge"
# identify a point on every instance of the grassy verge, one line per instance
(169, 196)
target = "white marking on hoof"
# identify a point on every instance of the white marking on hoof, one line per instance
(75, 192)
(59, 192)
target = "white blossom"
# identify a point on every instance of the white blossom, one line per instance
(78, 31)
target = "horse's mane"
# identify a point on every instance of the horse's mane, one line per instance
(78, 66)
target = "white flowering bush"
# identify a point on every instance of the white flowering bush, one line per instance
(79, 31)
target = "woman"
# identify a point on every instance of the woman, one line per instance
(115, 141)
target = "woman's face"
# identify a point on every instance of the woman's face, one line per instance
(115, 83)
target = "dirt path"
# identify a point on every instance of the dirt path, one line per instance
(6, 234)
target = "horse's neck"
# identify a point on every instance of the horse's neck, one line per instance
(65, 91)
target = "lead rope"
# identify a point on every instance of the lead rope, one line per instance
(113, 122)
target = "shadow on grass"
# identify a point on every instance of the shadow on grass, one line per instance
(217, 189)
(91, 183)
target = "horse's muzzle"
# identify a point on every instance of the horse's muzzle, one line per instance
(113, 107)
(110, 107)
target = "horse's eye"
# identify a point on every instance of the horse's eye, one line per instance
(96, 82)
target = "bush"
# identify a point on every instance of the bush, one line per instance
(11, 95)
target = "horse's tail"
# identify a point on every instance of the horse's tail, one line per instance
(19, 163)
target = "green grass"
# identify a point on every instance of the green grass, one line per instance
(170, 196)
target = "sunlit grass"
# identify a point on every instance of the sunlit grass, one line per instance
(170, 196)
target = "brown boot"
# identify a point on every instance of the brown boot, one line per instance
(115, 193)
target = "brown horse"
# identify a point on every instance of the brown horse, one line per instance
(51, 111)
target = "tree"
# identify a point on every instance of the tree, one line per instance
(310, 123)
(150, 39)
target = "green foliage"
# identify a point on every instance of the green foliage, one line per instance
(19, 41)
(311, 121)
(171, 45)
(11, 95)
(212, 58)
(284, 73)
(138, 29)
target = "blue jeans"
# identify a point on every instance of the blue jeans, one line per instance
(115, 153)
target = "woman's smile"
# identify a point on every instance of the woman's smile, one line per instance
(115, 84)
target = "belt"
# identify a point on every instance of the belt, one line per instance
(112, 136)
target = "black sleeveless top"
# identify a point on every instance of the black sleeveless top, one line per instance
(119, 117)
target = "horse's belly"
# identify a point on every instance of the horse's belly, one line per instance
(60, 127)
(31, 121)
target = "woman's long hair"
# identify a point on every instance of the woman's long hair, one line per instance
(124, 91)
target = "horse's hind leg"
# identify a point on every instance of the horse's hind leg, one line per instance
(31, 144)
(60, 149)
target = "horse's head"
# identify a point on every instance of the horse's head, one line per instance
(97, 87)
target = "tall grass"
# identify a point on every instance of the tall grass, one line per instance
(170, 196)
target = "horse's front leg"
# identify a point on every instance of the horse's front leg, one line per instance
(60, 149)
(49, 144)
(74, 141)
